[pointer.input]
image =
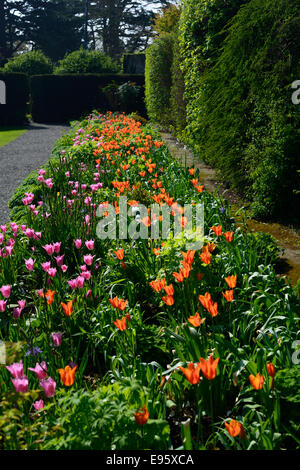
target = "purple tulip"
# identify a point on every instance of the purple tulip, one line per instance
(56, 338)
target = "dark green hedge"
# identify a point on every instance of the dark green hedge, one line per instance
(17, 98)
(60, 98)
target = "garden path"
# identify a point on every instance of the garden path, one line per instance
(25, 154)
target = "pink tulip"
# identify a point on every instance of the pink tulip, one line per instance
(16, 370)
(5, 291)
(46, 266)
(86, 275)
(64, 268)
(39, 405)
(56, 338)
(40, 370)
(3, 305)
(49, 249)
(3, 228)
(21, 385)
(90, 244)
(60, 260)
(29, 264)
(56, 247)
(48, 386)
(88, 259)
(52, 272)
(78, 243)
(89, 294)
(22, 304)
(17, 312)
(73, 283)
(80, 282)
(1, 238)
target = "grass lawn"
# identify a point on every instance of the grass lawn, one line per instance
(8, 134)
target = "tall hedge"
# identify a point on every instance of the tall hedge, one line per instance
(158, 78)
(17, 99)
(60, 98)
(240, 115)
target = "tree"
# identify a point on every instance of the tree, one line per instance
(123, 24)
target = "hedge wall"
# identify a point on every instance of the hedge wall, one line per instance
(60, 98)
(17, 99)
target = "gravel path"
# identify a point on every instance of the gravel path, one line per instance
(23, 155)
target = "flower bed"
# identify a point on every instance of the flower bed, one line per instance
(138, 343)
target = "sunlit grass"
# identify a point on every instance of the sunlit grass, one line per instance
(8, 134)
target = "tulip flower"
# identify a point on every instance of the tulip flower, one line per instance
(231, 281)
(5, 291)
(29, 264)
(209, 367)
(49, 387)
(46, 266)
(78, 243)
(56, 247)
(256, 381)
(271, 369)
(217, 229)
(16, 370)
(68, 308)
(192, 372)
(142, 416)
(205, 257)
(121, 324)
(88, 259)
(49, 249)
(56, 338)
(3, 305)
(195, 320)
(158, 285)
(39, 405)
(40, 370)
(90, 244)
(228, 236)
(205, 300)
(168, 299)
(228, 294)
(118, 303)
(67, 375)
(49, 296)
(20, 384)
(235, 428)
(119, 254)
(169, 290)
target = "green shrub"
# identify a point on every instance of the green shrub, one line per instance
(158, 79)
(104, 420)
(32, 63)
(84, 61)
(238, 85)
(17, 98)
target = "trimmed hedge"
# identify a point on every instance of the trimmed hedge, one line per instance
(17, 97)
(61, 98)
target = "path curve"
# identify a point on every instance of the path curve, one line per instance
(20, 157)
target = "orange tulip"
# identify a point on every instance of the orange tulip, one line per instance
(179, 276)
(205, 300)
(142, 417)
(192, 373)
(168, 299)
(49, 296)
(205, 257)
(271, 369)
(235, 428)
(191, 171)
(199, 188)
(228, 294)
(195, 320)
(68, 308)
(119, 254)
(158, 285)
(118, 303)
(256, 381)
(228, 236)
(231, 281)
(209, 367)
(188, 256)
(217, 229)
(169, 289)
(67, 375)
(121, 324)
(213, 309)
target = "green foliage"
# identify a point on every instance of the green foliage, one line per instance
(238, 85)
(104, 420)
(158, 79)
(84, 61)
(32, 63)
